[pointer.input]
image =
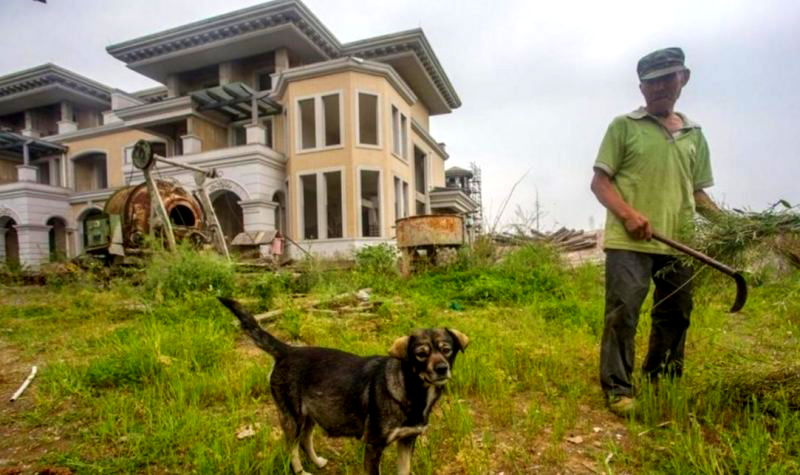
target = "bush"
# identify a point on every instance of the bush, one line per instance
(174, 275)
(377, 260)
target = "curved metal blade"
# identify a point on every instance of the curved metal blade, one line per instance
(741, 292)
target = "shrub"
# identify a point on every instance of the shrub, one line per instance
(378, 259)
(173, 275)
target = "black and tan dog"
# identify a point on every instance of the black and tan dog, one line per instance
(378, 399)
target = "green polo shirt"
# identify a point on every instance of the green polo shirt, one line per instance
(655, 172)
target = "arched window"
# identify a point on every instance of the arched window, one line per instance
(91, 172)
(10, 248)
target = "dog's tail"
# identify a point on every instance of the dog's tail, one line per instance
(261, 337)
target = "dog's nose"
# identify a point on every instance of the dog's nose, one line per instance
(441, 369)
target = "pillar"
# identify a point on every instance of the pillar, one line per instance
(258, 215)
(34, 244)
(27, 173)
(66, 124)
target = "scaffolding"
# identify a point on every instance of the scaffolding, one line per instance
(476, 195)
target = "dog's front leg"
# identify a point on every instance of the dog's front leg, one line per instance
(405, 447)
(372, 459)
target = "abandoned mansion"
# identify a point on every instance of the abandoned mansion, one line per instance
(325, 142)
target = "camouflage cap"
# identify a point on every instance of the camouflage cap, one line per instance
(660, 63)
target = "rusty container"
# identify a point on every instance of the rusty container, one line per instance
(133, 205)
(430, 230)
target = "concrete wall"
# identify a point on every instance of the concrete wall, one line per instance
(113, 145)
(8, 169)
(211, 135)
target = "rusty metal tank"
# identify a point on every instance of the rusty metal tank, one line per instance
(132, 204)
(430, 230)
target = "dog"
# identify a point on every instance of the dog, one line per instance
(378, 399)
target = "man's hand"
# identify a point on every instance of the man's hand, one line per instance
(637, 224)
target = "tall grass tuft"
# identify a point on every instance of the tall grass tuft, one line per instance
(176, 274)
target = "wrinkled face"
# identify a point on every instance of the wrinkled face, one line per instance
(431, 353)
(661, 94)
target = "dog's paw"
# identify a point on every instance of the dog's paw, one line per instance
(320, 462)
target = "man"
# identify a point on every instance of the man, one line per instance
(650, 173)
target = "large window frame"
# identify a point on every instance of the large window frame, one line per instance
(400, 190)
(400, 133)
(378, 119)
(380, 201)
(322, 202)
(319, 122)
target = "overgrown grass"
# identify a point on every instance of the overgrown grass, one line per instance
(152, 375)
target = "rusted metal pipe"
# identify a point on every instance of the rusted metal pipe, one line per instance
(741, 284)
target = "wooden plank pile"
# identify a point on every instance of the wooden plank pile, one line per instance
(566, 240)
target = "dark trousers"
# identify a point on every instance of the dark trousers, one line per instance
(628, 276)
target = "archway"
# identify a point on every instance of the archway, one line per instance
(280, 211)
(10, 241)
(229, 213)
(57, 238)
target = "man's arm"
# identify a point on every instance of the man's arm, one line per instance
(635, 222)
(706, 206)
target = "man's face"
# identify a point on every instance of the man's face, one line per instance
(661, 93)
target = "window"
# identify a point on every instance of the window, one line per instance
(330, 104)
(264, 81)
(420, 171)
(322, 203)
(239, 135)
(400, 198)
(420, 180)
(399, 133)
(333, 204)
(308, 124)
(368, 119)
(370, 203)
(308, 186)
(319, 122)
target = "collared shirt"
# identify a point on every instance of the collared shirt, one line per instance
(656, 172)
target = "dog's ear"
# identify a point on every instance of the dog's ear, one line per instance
(462, 339)
(399, 348)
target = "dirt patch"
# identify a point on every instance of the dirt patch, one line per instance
(22, 447)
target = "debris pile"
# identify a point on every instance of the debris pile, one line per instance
(565, 240)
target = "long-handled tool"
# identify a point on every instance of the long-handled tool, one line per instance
(741, 285)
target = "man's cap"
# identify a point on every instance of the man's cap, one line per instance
(660, 63)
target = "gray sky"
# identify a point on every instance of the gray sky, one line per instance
(539, 80)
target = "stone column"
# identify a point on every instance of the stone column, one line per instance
(34, 244)
(27, 173)
(3, 232)
(191, 144)
(256, 133)
(28, 130)
(281, 60)
(226, 72)
(258, 215)
(66, 124)
(173, 85)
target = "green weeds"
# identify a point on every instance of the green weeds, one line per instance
(150, 374)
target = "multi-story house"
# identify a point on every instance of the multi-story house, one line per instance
(327, 142)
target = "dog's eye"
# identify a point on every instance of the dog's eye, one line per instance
(446, 350)
(421, 354)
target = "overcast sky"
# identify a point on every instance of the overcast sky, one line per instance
(539, 80)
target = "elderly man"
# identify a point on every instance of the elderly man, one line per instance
(650, 173)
